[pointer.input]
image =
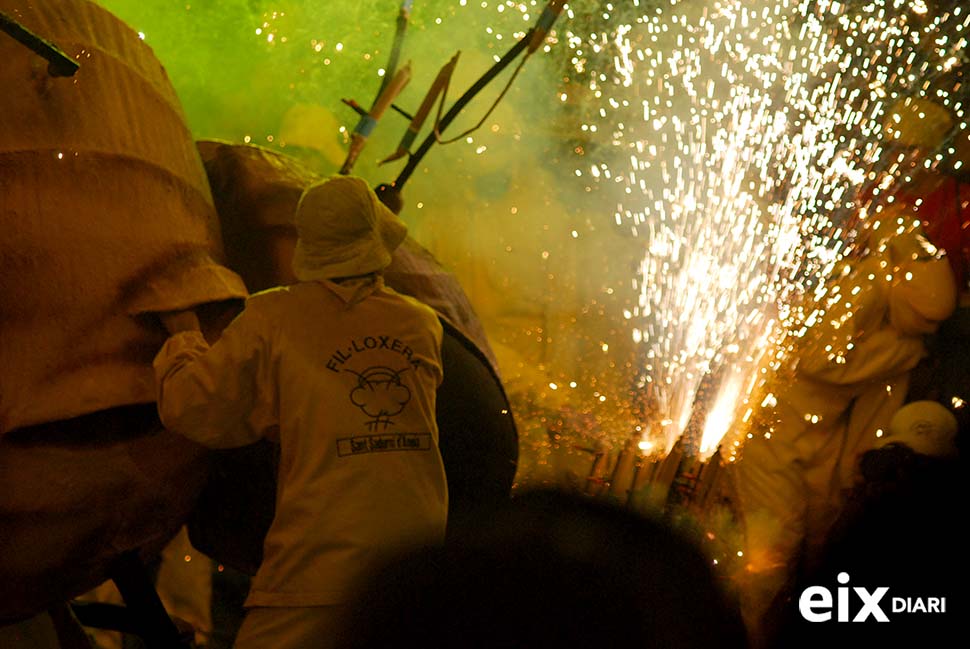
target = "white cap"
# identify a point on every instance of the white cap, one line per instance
(924, 426)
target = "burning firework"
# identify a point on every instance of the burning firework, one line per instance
(738, 140)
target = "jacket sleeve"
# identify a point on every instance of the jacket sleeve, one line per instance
(221, 396)
(878, 356)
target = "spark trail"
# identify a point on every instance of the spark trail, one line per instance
(741, 138)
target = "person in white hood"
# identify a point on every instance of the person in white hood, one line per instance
(342, 371)
(851, 376)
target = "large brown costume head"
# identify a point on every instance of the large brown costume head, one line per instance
(105, 212)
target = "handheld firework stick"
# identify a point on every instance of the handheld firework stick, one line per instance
(437, 88)
(403, 16)
(59, 63)
(367, 123)
(369, 120)
(538, 35)
(531, 41)
(546, 19)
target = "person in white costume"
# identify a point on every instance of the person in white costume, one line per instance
(342, 371)
(852, 375)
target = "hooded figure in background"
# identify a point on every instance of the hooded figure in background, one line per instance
(851, 375)
(898, 528)
(342, 371)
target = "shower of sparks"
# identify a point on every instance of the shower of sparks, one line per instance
(741, 141)
(742, 136)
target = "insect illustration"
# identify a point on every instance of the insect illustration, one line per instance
(380, 394)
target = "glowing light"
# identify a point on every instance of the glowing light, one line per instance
(721, 415)
(751, 130)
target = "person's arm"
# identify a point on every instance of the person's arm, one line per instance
(877, 356)
(218, 396)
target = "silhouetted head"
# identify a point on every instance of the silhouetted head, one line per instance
(549, 570)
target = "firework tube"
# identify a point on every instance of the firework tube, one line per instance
(549, 15)
(403, 17)
(59, 63)
(367, 123)
(437, 87)
(624, 473)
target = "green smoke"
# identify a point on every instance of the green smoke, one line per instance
(533, 244)
(239, 65)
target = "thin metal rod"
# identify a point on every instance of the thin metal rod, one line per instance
(457, 107)
(59, 63)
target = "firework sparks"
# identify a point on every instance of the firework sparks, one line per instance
(742, 143)
(741, 135)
